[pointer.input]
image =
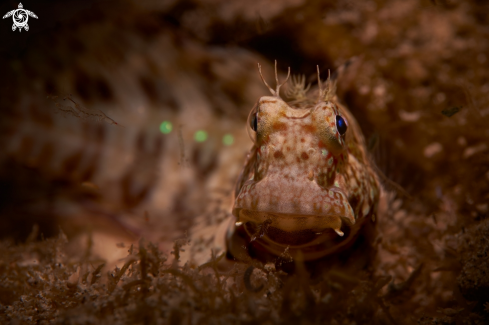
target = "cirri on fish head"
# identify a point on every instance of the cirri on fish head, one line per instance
(307, 184)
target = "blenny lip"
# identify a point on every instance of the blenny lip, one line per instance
(294, 223)
(299, 205)
(300, 239)
(300, 215)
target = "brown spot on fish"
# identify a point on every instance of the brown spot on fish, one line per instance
(279, 126)
(278, 155)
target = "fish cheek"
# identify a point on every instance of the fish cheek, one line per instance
(325, 122)
(264, 127)
(328, 140)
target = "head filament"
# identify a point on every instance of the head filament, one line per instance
(329, 93)
(275, 92)
(298, 90)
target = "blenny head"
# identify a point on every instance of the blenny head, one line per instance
(297, 184)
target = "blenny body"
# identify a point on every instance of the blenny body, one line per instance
(307, 186)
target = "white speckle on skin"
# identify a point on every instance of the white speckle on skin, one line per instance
(330, 161)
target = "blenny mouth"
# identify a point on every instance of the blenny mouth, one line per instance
(292, 230)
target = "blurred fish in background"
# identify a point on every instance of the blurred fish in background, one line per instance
(117, 119)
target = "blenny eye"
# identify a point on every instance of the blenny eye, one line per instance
(341, 125)
(254, 122)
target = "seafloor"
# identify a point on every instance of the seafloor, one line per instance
(122, 130)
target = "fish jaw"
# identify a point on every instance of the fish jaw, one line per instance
(297, 215)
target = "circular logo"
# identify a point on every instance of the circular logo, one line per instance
(20, 18)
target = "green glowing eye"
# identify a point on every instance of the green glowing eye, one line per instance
(166, 127)
(227, 139)
(200, 136)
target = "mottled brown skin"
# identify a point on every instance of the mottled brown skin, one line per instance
(306, 189)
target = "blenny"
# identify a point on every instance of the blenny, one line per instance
(307, 186)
